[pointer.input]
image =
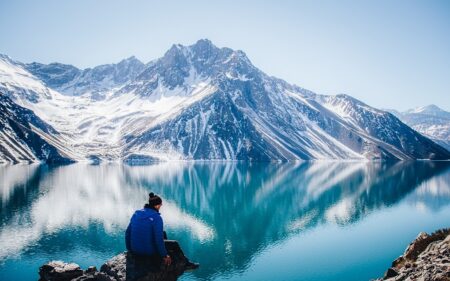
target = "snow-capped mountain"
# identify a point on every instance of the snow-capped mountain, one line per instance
(430, 121)
(70, 80)
(204, 102)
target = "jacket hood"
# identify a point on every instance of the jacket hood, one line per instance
(147, 213)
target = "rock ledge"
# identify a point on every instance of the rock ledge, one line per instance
(427, 258)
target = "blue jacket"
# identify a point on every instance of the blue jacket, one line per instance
(144, 234)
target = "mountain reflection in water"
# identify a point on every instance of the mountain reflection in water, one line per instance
(223, 214)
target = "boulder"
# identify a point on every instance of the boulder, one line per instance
(59, 271)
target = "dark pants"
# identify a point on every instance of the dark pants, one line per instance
(173, 250)
(172, 247)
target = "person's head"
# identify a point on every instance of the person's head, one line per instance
(154, 201)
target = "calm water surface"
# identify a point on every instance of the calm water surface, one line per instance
(303, 221)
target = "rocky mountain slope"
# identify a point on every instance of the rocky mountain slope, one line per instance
(24, 137)
(203, 102)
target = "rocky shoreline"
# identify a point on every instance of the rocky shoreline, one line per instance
(427, 258)
(124, 266)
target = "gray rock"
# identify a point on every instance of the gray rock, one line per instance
(426, 258)
(124, 266)
(59, 271)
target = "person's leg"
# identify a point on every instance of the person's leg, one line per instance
(174, 250)
(144, 263)
(173, 247)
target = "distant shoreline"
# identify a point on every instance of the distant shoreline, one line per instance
(119, 161)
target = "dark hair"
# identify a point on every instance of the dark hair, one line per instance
(153, 200)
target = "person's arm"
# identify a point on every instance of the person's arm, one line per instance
(128, 237)
(159, 236)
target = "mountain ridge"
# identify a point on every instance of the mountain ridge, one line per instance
(70, 80)
(201, 102)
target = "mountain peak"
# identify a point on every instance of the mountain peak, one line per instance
(348, 98)
(426, 109)
(175, 56)
(203, 47)
(175, 48)
(130, 60)
(204, 43)
(204, 53)
(432, 107)
(8, 59)
(5, 57)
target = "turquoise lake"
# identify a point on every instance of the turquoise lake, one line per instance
(240, 221)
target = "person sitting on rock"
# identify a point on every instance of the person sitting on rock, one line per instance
(145, 236)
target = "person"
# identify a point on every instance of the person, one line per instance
(145, 235)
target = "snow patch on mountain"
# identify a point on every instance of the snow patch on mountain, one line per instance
(16, 82)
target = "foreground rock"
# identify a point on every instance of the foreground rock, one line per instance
(122, 267)
(427, 258)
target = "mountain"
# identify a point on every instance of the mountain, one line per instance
(70, 80)
(24, 137)
(430, 121)
(250, 115)
(202, 102)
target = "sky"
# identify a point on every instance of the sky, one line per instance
(389, 54)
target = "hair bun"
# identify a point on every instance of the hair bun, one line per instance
(151, 194)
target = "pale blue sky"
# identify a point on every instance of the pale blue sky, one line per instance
(389, 54)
